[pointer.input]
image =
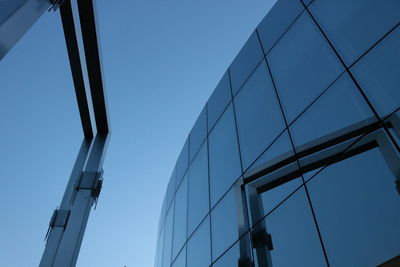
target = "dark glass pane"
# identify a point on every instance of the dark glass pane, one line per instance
(170, 189)
(340, 106)
(224, 226)
(245, 62)
(199, 247)
(180, 261)
(182, 163)
(258, 114)
(224, 156)
(219, 100)
(378, 74)
(277, 21)
(354, 26)
(303, 65)
(307, 2)
(357, 208)
(231, 257)
(198, 133)
(198, 197)
(166, 261)
(294, 234)
(180, 218)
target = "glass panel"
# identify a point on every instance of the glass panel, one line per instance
(277, 21)
(198, 197)
(168, 237)
(199, 247)
(258, 115)
(159, 252)
(182, 163)
(198, 133)
(180, 261)
(354, 26)
(357, 208)
(180, 219)
(218, 101)
(340, 106)
(303, 65)
(231, 257)
(294, 234)
(224, 226)
(378, 74)
(223, 156)
(171, 188)
(245, 62)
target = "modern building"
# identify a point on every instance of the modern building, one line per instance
(294, 160)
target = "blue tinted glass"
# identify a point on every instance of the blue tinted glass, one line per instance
(182, 163)
(357, 209)
(258, 115)
(307, 2)
(303, 65)
(277, 21)
(354, 26)
(271, 198)
(160, 241)
(198, 133)
(180, 261)
(170, 189)
(378, 74)
(166, 261)
(340, 106)
(294, 234)
(180, 218)
(245, 62)
(199, 247)
(198, 198)
(219, 100)
(223, 156)
(230, 258)
(224, 226)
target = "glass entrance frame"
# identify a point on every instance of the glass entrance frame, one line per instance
(257, 243)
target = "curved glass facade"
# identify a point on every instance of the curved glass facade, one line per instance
(294, 160)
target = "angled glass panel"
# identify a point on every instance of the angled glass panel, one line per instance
(339, 107)
(180, 261)
(354, 26)
(278, 19)
(183, 163)
(167, 247)
(159, 253)
(378, 74)
(198, 195)
(224, 157)
(230, 257)
(245, 62)
(357, 209)
(199, 246)
(258, 114)
(224, 224)
(302, 65)
(180, 219)
(294, 234)
(198, 133)
(169, 195)
(219, 100)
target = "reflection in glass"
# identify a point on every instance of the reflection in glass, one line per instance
(198, 133)
(182, 163)
(302, 65)
(180, 218)
(357, 208)
(167, 247)
(224, 157)
(198, 246)
(180, 261)
(258, 115)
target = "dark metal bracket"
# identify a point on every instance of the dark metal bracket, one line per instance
(90, 180)
(261, 238)
(55, 4)
(245, 262)
(58, 219)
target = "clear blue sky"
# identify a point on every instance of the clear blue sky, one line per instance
(161, 61)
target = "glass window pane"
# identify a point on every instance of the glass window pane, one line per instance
(223, 156)
(303, 65)
(354, 26)
(277, 21)
(245, 62)
(231, 257)
(199, 247)
(168, 237)
(198, 197)
(258, 114)
(180, 261)
(357, 209)
(294, 234)
(159, 251)
(180, 218)
(378, 74)
(171, 189)
(182, 163)
(340, 106)
(224, 226)
(198, 133)
(219, 100)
